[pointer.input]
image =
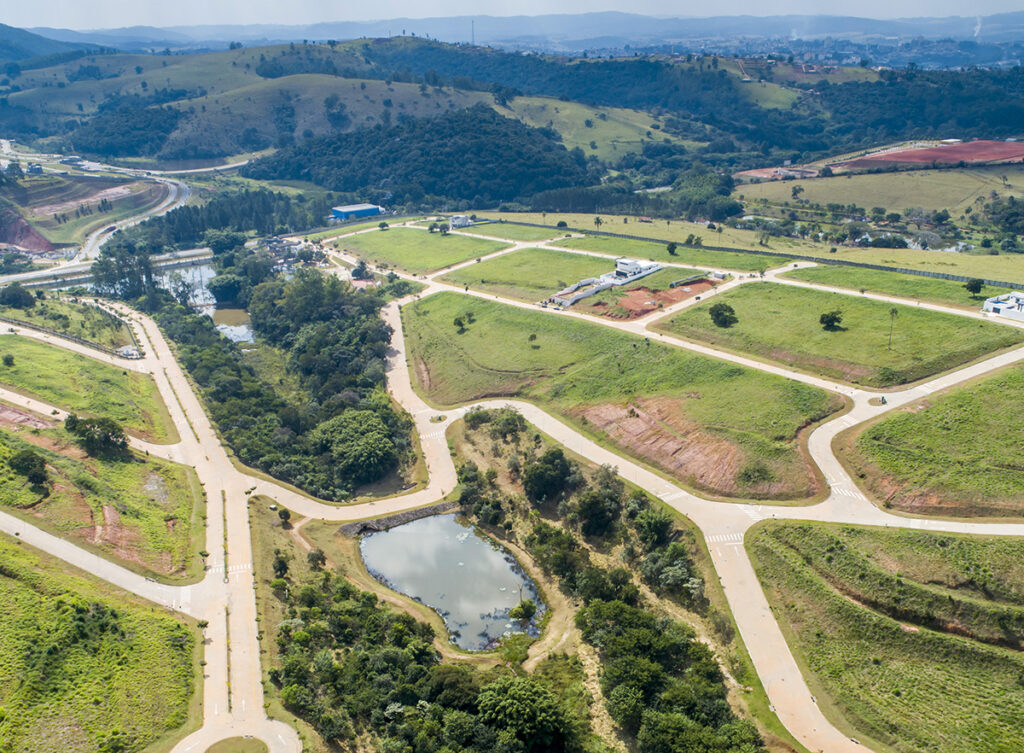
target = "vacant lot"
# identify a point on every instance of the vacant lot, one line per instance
(954, 454)
(73, 318)
(142, 511)
(515, 232)
(658, 251)
(909, 640)
(781, 323)
(929, 289)
(58, 377)
(85, 667)
(713, 425)
(416, 251)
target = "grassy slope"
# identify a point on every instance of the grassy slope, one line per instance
(954, 190)
(66, 695)
(56, 376)
(75, 319)
(571, 365)
(159, 504)
(892, 283)
(780, 323)
(955, 454)
(887, 673)
(416, 251)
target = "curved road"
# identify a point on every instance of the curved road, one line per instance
(233, 692)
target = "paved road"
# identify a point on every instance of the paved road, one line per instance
(226, 596)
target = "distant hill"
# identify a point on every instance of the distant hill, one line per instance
(18, 44)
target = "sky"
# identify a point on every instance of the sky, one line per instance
(97, 14)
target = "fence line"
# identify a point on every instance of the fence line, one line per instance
(783, 255)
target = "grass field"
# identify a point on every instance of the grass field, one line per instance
(954, 454)
(238, 745)
(531, 274)
(76, 319)
(1005, 267)
(895, 631)
(955, 190)
(658, 251)
(514, 232)
(417, 251)
(145, 512)
(780, 323)
(85, 667)
(713, 425)
(928, 289)
(57, 376)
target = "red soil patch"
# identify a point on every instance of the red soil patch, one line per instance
(971, 152)
(639, 302)
(18, 417)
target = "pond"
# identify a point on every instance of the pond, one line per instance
(457, 571)
(234, 324)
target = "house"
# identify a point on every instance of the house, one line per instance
(460, 220)
(355, 211)
(1010, 305)
(626, 271)
(34, 168)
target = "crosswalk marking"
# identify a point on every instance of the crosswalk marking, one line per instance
(726, 538)
(231, 569)
(842, 490)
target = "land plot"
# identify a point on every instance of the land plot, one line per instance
(646, 295)
(909, 640)
(781, 323)
(701, 257)
(58, 376)
(712, 425)
(515, 232)
(953, 454)
(912, 287)
(83, 665)
(140, 510)
(417, 251)
(943, 154)
(71, 318)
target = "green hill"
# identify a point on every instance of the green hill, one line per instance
(18, 44)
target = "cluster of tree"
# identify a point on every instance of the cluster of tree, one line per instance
(351, 667)
(265, 212)
(97, 436)
(31, 465)
(343, 432)
(15, 296)
(474, 155)
(129, 130)
(1006, 214)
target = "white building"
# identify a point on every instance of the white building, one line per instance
(1010, 305)
(460, 220)
(633, 267)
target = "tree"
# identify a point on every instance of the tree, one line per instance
(723, 315)
(797, 190)
(546, 477)
(285, 515)
(524, 610)
(8, 359)
(672, 249)
(974, 286)
(525, 711)
(98, 436)
(316, 558)
(31, 465)
(598, 221)
(831, 320)
(17, 297)
(893, 313)
(653, 526)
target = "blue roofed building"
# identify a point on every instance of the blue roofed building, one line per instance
(355, 211)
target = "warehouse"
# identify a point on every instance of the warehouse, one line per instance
(355, 211)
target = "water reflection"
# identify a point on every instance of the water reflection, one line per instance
(464, 576)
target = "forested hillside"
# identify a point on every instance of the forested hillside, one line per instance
(474, 155)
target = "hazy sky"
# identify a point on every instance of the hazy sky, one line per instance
(93, 14)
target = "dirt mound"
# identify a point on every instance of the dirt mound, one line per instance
(656, 430)
(16, 231)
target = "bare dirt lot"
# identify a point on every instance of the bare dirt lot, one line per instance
(642, 301)
(971, 152)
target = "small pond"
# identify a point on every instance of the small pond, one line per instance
(457, 571)
(234, 324)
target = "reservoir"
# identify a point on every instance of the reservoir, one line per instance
(457, 571)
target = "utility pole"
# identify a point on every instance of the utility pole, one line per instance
(472, 32)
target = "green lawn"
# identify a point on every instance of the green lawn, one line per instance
(515, 232)
(896, 631)
(76, 319)
(712, 425)
(658, 251)
(148, 513)
(417, 251)
(59, 377)
(955, 454)
(238, 745)
(85, 667)
(929, 289)
(781, 323)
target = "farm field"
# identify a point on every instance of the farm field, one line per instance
(780, 323)
(1004, 267)
(76, 319)
(658, 251)
(146, 513)
(85, 667)
(945, 154)
(417, 251)
(714, 426)
(514, 232)
(932, 190)
(930, 289)
(956, 453)
(55, 376)
(910, 640)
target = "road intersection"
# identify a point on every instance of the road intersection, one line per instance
(225, 598)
